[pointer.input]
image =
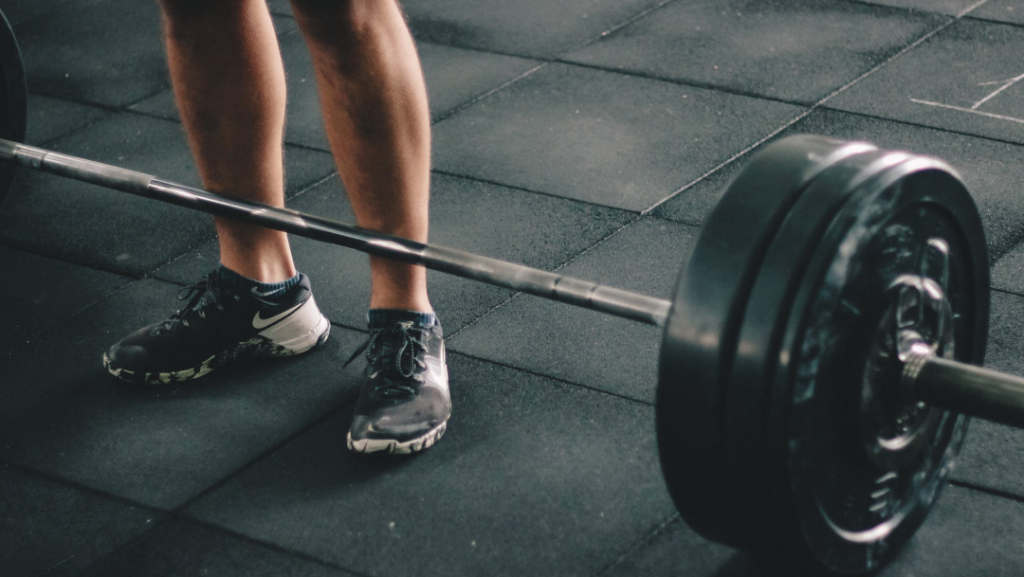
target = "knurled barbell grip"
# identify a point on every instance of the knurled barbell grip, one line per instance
(553, 286)
(964, 388)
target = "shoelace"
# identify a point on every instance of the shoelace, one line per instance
(392, 352)
(195, 293)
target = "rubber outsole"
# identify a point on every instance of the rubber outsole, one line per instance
(395, 447)
(257, 347)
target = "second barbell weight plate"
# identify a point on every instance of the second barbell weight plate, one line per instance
(864, 462)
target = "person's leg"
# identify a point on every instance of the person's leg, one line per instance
(229, 83)
(374, 103)
(228, 80)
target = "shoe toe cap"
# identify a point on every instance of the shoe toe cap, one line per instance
(131, 352)
(399, 428)
(127, 356)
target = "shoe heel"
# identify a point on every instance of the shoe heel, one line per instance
(298, 333)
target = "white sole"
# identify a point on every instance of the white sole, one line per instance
(296, 334)
(394, 447)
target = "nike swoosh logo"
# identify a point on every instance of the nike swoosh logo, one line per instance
(266, 294)
(258, 322)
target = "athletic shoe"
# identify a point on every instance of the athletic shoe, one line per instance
(218, 326)
(404, 404)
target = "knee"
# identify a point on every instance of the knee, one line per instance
(340, 21)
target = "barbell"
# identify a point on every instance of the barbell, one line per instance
(820, 355)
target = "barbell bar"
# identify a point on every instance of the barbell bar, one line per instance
(819, 355)
(517, 277)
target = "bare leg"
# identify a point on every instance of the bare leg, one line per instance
(375, 108)
(229, 82)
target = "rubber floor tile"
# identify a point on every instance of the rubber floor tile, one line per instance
(19, 11)
(40, 293)
(762, 48)
(456, 76)
(966, 78)
(50, 118)
(993, 455)
(110, 229)
(1008, 271)
(999, 10)
(280, 7)
(675, 549)
(105, 52)
(948, 7)
(601, 137)
(533, 477)
(494, 221)
(64, 415)
(582, 346)
(531, 28)
(968, 533)
(180, 548)
(56, 530)
(991, 170)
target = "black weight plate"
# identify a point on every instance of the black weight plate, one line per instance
(701, 332)
(833, 504)
(751, 457)
(13, 99)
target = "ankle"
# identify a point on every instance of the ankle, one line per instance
(384, 318)
(279, 268)
(236, 282)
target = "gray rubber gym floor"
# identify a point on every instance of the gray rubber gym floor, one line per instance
(581, 135)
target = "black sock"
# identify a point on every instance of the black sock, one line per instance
(384, 318)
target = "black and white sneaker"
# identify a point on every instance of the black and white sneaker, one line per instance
(404, 404)
(218, 326)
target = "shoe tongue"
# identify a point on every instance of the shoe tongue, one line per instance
(398, 351)
(212, 294)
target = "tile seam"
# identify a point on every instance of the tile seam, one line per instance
(641, 543)
(273, 448)
(949, 22)
(1007, 292)
(616, 27)
(161, 518)
(574, 384)
(77, 486)
(470, 102)
(567, 262)
(482, 180)
(1000, 493)
(267, 544)
(727, 90)
(985, 20)
(78, 130)
(920, 125)
(572, 258)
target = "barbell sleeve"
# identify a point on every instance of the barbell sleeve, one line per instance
(517, 277)
(965, 388)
